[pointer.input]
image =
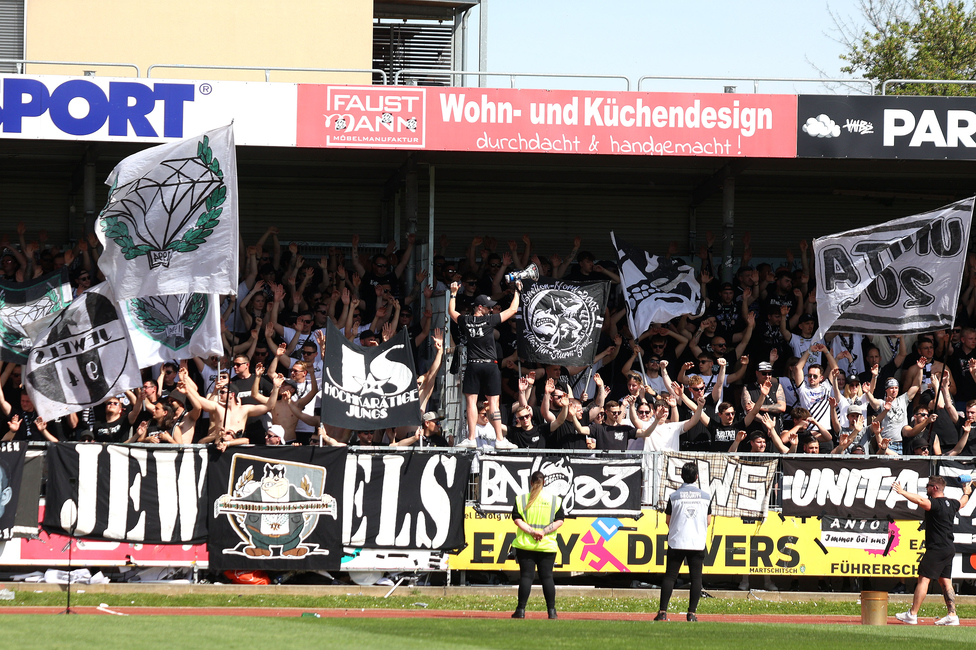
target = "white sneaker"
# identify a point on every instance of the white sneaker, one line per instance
(505, 444)
(910, 619)
(467, 443)
(951, 619)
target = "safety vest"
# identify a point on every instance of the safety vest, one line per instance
(541, 514)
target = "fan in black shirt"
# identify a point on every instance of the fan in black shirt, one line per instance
(529, 436)
(936, 564)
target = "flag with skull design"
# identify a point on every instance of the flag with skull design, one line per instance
(369, 387)
(656, 288)
(559, 322)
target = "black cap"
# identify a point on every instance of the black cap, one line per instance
(484, 301)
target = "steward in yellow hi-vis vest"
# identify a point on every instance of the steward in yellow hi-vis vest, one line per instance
(539, 515)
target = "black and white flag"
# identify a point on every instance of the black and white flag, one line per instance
(369, 388)
(170, 225)
(851, 488)
(12, 455)
(898, 277)
(127, 494)
(405, 501)
(276, 508)
(178, 326)
(588, 488)
(559, 322)
(82, 358)
(656, 289)
(27, 307)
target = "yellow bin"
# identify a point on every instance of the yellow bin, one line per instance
(874, 608)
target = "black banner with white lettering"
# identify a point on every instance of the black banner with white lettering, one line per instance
(12, 455)
(920, 128)
(559, 322)
(276, 508)
(851, 488)
(589, 488)
(739, 487)
(126, 494)
(964, 528)
(369, 388)
(408, 501)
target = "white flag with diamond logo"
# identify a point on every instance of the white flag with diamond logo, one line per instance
(170, 225)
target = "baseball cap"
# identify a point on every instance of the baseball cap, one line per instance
(431, 416)
(806, 318)
(484, 301)
(755, 435)
(178, 396)
(765, 366)
(856, 409)
(86, 435)
(919, 443)
(277, 430)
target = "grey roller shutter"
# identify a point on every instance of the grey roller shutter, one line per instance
(11, 33)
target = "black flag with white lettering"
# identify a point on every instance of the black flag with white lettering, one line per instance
(127, 494)
(559, 322)
(276, 508)
(852, 488)
(369, 388)
(12, 455)
(407, 501)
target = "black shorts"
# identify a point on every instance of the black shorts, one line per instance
(482, 379)
(936, 564)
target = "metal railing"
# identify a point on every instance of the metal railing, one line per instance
(267, 70)
(20, 63)
(511, 75)
(944, 82)
(756, 80)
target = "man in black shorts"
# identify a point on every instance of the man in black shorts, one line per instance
(936, 564)
(481, 374)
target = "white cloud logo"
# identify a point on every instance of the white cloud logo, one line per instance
(821, 127)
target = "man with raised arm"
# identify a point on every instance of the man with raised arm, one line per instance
(481, 374)
(936, 564)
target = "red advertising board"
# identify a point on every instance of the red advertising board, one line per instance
(558, 121)
(52, 550)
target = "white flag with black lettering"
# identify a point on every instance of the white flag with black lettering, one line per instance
(170, 225)
(898, 277)
(173, 327)
(82, 358)
(656, 289)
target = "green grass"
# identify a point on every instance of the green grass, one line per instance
(933, 607)
(435, 634)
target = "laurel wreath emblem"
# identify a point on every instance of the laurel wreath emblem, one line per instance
(195, 309)
(118, 231)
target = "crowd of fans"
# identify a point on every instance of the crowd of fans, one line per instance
(747, 376)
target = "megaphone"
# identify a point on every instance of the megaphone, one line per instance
(531, 272)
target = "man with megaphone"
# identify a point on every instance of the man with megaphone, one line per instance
(481, 374)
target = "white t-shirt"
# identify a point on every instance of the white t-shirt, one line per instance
(666, 437)
(801, 345)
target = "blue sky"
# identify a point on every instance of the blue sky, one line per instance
(760, 38)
